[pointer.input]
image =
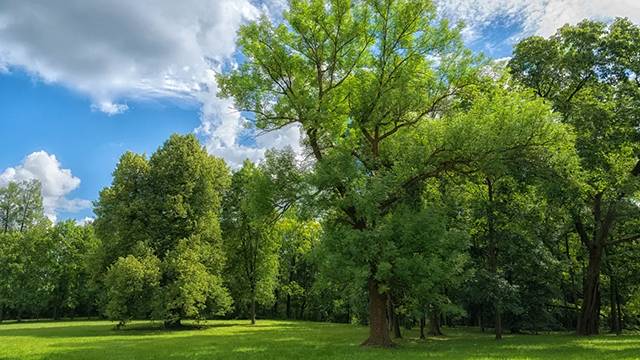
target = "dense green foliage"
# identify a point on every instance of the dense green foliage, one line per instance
(161, 242)
(436, 189)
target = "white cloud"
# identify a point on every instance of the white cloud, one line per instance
(56, 182)
(540, 17)
(110, 108)
(119, 50)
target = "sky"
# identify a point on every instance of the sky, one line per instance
(82, 81)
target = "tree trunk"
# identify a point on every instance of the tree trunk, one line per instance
(434, 323)
(253, 311)
(572, 315)
(619, 307)
(613, 313)
(288, 306)
(589, 321)
(394, 324)
(303, 305)
(378, 325)
(396, 327)
(498, 324)
(423, 320)
(492, 255)
(274, 310)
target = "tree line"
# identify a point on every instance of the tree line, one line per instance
(436, 187)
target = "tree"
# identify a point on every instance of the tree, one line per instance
(170, 204)
(251, 243)
(131, 283)
(589, 73)
(21, 206)
(69, 250)
(122, 219)
(299, 237)
(387, 97)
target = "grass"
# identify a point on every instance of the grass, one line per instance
(288, 340)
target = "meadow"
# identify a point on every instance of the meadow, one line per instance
(288, 340)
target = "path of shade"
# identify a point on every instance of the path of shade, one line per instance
(288, 340)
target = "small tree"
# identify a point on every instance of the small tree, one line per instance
(250, 241)
(132, 284)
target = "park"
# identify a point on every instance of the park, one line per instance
(435, 201)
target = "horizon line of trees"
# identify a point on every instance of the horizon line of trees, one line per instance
(436, 188)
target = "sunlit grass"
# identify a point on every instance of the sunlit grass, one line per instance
(288, 340)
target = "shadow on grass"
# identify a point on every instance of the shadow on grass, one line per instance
(280, 340)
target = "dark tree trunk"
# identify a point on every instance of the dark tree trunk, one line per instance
(291, 267)
(378, 325)
(492, 255)
(274, 310)
(589, 321)
(614, 315)
(423, 320)
(303, 305)
(396, 327)
(498, 324)
(619, 307)
(571, 315)
(394, 324)
(434, 323)
(253, 311)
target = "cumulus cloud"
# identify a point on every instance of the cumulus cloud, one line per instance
(56, 182)
(119, 50)
(540, 17)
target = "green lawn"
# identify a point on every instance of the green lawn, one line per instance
(287, 340)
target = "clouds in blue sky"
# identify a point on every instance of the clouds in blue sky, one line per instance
(498, 24)
(115, 52)
(56, 181)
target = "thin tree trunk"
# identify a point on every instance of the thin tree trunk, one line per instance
(253, 310)
(394, 324)
(572, 322)
(378, 325)
(498, 325)
(288, 306)
(303, 305)
(492, 255)
(274, 310)
(423, 320)
(396, 327)
(613, 313)
(619, 307)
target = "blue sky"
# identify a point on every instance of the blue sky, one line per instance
(77, 92)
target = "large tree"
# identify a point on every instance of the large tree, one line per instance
(387, 97)
(589, 73)
(169, 204)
